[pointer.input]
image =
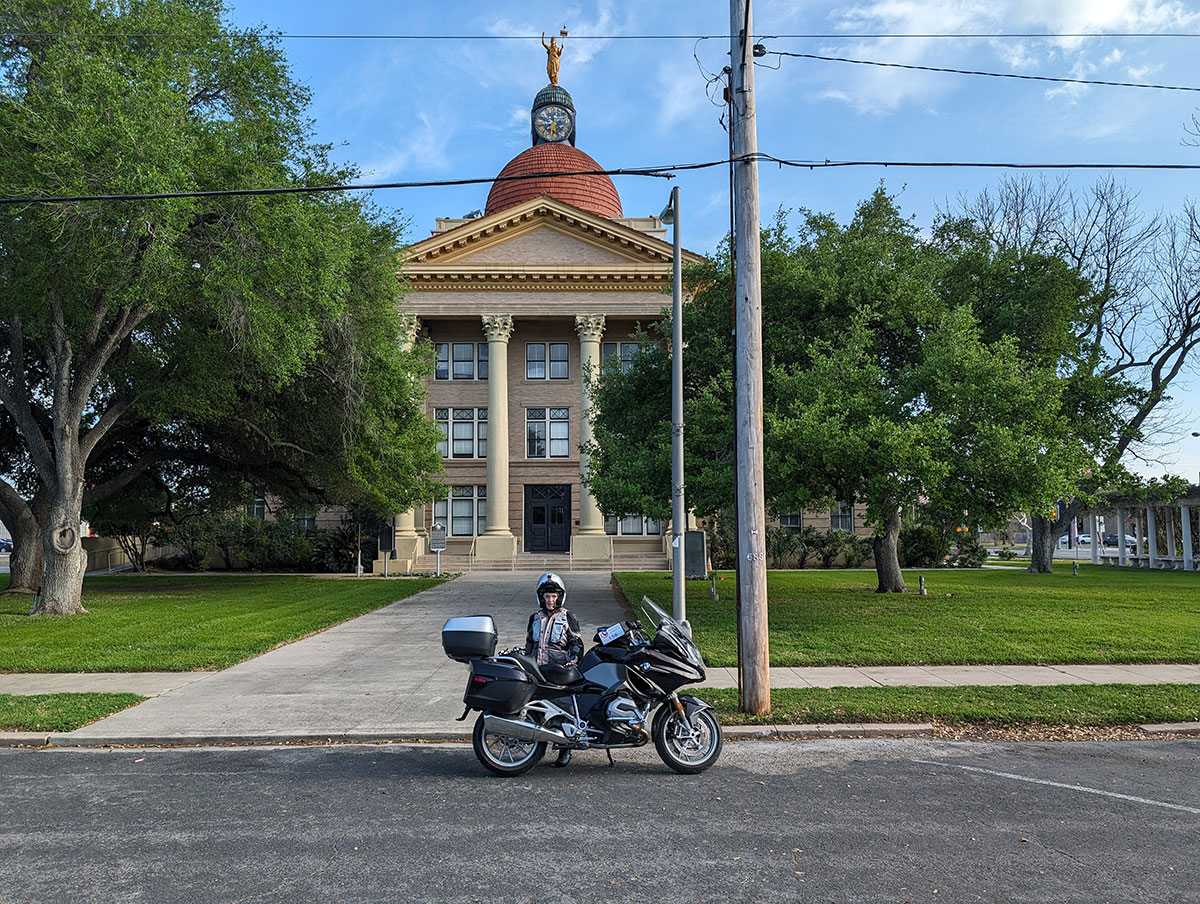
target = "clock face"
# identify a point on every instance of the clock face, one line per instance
(553, 123)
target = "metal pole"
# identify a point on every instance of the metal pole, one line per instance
(678, 510)
(751, 508)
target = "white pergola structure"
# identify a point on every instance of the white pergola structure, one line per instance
(1147, 520)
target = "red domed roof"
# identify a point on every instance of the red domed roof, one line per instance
(595, 194)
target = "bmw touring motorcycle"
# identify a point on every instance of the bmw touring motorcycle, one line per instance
(622, 694)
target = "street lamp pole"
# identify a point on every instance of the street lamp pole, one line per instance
(678, 510)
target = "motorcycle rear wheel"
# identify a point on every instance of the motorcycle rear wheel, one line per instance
(688, 748)
(503, 755)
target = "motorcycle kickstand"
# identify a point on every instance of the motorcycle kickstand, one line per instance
(610, 759)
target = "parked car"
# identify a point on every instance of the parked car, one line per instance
(5, 545)
(1112, 540)
(1082, 540)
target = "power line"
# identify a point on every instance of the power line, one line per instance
(661, 172)
(1035, 78)
(858, 36)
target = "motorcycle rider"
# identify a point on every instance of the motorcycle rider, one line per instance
(553, 636)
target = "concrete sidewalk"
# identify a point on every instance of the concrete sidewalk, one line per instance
(383, 676)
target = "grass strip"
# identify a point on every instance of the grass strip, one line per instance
(1086, 705)
(59, 712)
(184, 622)
(1105, 614)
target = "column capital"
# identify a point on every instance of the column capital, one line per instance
(497, 327)
(589, 326)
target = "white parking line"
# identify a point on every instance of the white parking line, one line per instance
(1042, 781)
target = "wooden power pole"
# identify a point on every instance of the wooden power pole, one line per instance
(751, 508)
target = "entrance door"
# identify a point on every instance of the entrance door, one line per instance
(547, 518)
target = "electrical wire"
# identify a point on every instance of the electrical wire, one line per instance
(661, 172)
(854, 36)
(1035, 78)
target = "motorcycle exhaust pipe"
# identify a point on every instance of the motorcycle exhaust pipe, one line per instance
(525, 731)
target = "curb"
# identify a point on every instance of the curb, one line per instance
(65, 740)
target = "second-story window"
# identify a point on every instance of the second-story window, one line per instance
(464, 432)
(547, 432)
(460, 361)
(547, 361)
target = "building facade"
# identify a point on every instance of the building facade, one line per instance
(521, 303)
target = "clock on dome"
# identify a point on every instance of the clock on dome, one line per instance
(553, 116)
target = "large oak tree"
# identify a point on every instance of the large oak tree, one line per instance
(261, 331)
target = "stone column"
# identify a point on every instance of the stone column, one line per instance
(1094, 528)
(497, 541)
(1152, 536)
(1122, 556)
(405, 539)
(1170, 513)
(1185, 514)
(590, 542)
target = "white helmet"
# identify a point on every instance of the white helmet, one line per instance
(551, 583)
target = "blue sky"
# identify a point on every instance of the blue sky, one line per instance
(424, 110)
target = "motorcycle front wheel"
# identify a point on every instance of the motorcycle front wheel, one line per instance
(688, 747)
(503, 755)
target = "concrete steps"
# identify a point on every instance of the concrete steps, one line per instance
(542, 562)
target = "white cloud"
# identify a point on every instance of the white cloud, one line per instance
(422, 150)
(680, 93)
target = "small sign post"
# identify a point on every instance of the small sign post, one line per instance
(437, 542)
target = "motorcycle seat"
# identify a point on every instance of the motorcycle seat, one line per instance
(562, 674)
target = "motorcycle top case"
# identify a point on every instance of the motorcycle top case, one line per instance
(469, 637)
(498, 686)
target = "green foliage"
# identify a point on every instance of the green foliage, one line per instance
(921, 546)
(971, 616)
(1091, 705)
(1007, 554)
(59, 712)
(339, 550)
(782, 544)
(969, 552)
(182, 622)
(223, 340)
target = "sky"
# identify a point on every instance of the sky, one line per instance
(458, 107)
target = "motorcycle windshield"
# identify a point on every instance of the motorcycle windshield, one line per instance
(679, 635)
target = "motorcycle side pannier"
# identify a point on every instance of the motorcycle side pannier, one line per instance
(500, 687)
(469, 637)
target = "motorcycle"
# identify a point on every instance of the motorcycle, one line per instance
(604, 703)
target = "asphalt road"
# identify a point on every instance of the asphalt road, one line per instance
(867, 820)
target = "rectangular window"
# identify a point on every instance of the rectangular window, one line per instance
(442, 370)
(795, 520)
(632, 526)
(535, 360)
(481, 368)
(442, 416)
(542, 424)
(257, 508)
(559, 369)
(464, 360)
(535, 432)
(842, 517)
(467, 506)
(617, 355)
(440, 507)
(463, 435)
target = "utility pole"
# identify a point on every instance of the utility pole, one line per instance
(751, 502)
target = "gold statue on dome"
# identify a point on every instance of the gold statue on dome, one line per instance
(553, 55)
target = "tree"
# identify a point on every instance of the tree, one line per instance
(263, 325)
(1133, 339)
(882, 384)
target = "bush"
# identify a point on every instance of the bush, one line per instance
(338, 550)
(1007, 554)
(920, 546)
(969, 553)
(276, 546)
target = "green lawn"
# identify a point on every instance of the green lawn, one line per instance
(59, 712)
(1103, 615)
(183, 622)
(1085, 705)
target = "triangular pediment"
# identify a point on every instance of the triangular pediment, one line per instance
(539, 233)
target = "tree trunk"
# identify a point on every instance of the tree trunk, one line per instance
(25, 522)
(1041, 545)
(887, 558)
(25, 564)
(66, 560)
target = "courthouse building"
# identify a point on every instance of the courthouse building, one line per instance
(519, 301)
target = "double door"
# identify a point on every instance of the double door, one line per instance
(547, 518)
